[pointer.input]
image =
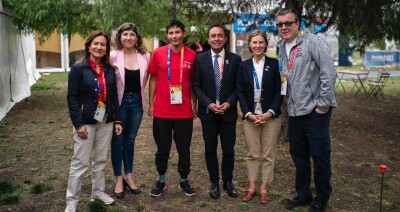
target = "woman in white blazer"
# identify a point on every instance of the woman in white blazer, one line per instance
(131, 62)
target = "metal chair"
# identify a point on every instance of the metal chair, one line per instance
(376, 86)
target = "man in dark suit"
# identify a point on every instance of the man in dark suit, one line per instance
(214, 85)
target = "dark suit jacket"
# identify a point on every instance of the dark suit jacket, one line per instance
(82, 94)
(270, 87)
(203, 84)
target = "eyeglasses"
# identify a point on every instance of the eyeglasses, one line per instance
(287, 24)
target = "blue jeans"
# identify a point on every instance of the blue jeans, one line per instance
(309, 137)
(122, 146)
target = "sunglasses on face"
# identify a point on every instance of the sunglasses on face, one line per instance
(287, 24)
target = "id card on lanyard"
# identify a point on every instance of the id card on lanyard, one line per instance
(175, 90)
(290, 67)
(101, 106)
(257, 105)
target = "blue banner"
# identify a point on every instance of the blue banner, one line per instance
(246, 23)
(382, 58)
(262, 21)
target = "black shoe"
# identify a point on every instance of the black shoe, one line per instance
(133, 190)
(228, 187)
(318, 205)
(119, 195)
(185, 186)
(157, 189)
(298, 201)
(214, 191)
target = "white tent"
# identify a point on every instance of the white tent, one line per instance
(17, 64)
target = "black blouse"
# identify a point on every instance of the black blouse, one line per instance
(132, 81)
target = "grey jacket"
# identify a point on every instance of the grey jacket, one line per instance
(311, 81)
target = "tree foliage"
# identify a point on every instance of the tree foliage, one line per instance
(45, 16)
(364, 21)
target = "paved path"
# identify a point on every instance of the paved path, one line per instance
(374, 74)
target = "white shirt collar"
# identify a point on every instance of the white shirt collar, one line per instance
(220, 54)
(259, 62)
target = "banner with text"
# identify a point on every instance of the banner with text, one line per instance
(246, 23)
(382, 58)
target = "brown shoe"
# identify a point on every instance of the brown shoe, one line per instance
(247, 196)
(264, 198)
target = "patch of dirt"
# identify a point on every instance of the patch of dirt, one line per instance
(36, 147)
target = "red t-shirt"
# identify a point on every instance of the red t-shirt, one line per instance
(158, 67)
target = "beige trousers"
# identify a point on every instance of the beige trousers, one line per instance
(261, 142)
(98, 141)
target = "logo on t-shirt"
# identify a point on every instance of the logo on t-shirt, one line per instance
(187, 64)
(299, 53)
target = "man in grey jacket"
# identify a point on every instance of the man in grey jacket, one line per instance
(308, 80)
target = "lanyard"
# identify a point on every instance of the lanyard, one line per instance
(221, 69)
(222, 66)
(98, 87)
(101, 81)
(101, 87)
(290, 65)
(169, 64)
(256, 78)
(280, 63)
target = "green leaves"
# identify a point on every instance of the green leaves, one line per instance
(364, 21)
(46, 16)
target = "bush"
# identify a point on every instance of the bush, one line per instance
(12, 199)
(40, 188)
(8, 187)
(97, 206)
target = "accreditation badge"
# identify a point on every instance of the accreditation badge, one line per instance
(258, 109)
(176, 94)
(257, 106)
(100, 111)
(284, 86)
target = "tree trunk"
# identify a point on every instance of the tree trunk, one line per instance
(283, 133)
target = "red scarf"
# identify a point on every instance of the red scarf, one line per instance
(101, 81)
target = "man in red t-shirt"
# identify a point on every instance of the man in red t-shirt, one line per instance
(172, 105)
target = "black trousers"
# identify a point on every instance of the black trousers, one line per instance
(227, 132)
(309, 138)
(181, 130)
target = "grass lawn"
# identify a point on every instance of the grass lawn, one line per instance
(36, 148)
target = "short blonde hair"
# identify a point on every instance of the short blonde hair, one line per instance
(256, 33)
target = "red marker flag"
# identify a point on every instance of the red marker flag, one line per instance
(382, 168)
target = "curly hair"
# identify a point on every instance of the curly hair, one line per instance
(116, 39)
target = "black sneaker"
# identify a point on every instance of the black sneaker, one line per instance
(157, 189)
(298, 201)
(187, 189)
